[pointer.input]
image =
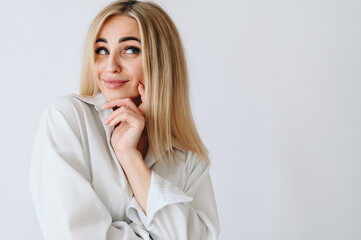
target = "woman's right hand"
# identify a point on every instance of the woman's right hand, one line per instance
(129, 122)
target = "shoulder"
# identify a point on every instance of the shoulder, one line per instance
(66, 110)
(71, 105)
(194, 168)
(68, 104)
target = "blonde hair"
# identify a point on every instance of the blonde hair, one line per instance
(168, 115)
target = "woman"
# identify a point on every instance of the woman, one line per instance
(123, 159)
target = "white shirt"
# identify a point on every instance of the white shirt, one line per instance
(81, 192)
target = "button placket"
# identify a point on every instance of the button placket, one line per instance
(103, 114)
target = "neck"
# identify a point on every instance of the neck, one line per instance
(137, 100)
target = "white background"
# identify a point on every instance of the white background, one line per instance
(276, 94)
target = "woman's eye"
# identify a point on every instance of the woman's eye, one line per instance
(131, 50)
(102, 51)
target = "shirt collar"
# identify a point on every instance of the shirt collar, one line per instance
(97, 101)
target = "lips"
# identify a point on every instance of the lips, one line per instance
(114, 83)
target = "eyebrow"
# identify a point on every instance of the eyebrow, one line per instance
(123, 39)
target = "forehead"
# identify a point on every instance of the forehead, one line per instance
(118, 26)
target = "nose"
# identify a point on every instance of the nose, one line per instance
(113, 64)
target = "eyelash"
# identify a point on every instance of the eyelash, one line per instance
(135, 49)
(97, 51)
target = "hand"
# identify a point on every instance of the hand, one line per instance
(129, 122)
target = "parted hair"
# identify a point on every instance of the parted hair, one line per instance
(168, 114)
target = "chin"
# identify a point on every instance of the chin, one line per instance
(113, 95)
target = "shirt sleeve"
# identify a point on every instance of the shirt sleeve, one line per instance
(173, 213)
(60, 184)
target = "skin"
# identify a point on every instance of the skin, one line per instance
(114, 61)
(122, 61)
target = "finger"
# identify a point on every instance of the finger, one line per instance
(127, 102)
(142, 109)
(128, 117)
(141, 91)
(120, 111)
(114, 114)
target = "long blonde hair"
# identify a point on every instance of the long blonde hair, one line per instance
(168, 115)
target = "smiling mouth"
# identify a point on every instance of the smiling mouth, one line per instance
(114, 83)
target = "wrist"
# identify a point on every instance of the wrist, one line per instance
(126, 156)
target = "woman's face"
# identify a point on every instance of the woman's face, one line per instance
(118, 58)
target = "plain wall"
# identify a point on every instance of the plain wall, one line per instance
(275, 90)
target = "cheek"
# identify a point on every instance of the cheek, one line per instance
(98, 68)
(97, 74)
(140, 71)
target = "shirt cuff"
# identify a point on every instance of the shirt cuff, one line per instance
(161, 194)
